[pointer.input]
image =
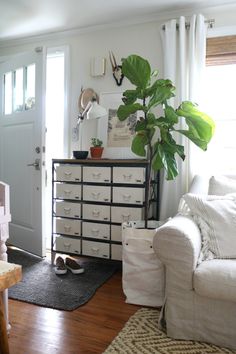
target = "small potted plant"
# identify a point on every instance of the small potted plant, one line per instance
(96, 149)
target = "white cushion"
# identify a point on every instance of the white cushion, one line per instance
(221, 185)
(216, 217)
(216, 279)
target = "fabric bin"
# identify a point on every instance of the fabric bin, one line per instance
(143, 272)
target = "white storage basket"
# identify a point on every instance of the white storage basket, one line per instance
(143, 272)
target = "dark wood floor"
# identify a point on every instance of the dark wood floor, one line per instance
(87, 330)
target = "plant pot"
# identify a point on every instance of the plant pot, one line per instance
(96, 152)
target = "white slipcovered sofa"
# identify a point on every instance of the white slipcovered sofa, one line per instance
(200, 297)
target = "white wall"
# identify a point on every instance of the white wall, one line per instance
(142, 39)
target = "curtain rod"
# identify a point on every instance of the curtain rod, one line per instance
(210, 24)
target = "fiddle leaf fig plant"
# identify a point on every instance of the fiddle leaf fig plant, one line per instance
(148, 93)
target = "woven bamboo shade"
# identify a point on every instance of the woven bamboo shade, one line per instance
(221, 50)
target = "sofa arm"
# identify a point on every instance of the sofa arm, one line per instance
(178, 244)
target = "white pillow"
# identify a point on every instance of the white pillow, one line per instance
(221, 185)
(216, 218)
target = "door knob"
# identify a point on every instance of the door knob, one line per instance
(36, 164)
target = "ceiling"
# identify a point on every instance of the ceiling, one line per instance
(23, 18)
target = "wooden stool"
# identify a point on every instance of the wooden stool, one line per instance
(10, 274)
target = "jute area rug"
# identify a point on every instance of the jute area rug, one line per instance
(141, 335)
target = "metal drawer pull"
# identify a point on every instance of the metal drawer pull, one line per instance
(138, 180)
(125, 217)
(127, 177)
(67, 228)
(95, 213)
(67, 191)
(67, 245)
(96, 175)
(67, 210)
(95, 231)
(95, 195)
(67, 174)
(126, 197)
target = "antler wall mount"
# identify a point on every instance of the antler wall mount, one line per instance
(116, 69)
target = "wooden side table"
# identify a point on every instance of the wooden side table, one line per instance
(10, 274)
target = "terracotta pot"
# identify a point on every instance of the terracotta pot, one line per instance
(96, 152)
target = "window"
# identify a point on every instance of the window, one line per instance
(218, 102)
(19, 90)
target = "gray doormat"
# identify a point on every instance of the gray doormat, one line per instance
(41, 286)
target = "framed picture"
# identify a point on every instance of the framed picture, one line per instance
(116, 135)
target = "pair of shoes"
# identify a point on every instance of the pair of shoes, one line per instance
(60, 266)
(69, 263)
(74, 267)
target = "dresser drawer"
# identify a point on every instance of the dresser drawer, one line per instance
(121, 214)
(95, 249)
(68, 191)
(129, 175)
(95, 230)
(69, 210)
(97, 174)
(96, 212)
(68, 227)
(116, 252)
(68, 245)
(116, 233)
(97, 193)
(68, 173)
(128, 195)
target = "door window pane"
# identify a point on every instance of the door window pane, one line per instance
(30, 87)
(18, 90)
(8, 93)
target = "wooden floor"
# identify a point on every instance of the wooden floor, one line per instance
(87, 330)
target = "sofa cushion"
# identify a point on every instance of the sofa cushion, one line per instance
(216, 279)
(216, 218)
(221, 185)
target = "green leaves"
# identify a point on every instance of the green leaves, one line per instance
(149, 93)
(124, 111)
(201, 126)
(163, 157)
(137, 70)
(160, 91)
(139, 143)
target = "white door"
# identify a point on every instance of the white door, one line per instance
(22, 136)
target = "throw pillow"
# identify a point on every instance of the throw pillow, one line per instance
(221, 185)
(216, 218)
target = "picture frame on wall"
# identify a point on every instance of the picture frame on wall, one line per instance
(116, 135)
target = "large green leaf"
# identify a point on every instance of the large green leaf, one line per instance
(130, 96)
(171, 146)
(124, 111)
(138, 144)
(201, 126)
(170, 115)
(164, 158)
(163, 90)
(137, 70)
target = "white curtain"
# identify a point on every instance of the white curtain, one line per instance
(184, 48)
